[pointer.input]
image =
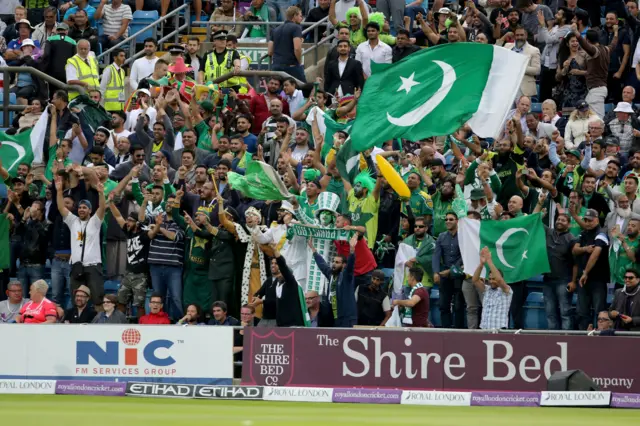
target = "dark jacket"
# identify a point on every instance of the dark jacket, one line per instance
(398, 53)
(345, 290)
(85, 317)
(351, 78)
(57, 50)
(116, 317)
(221, 264)
(35, 242)
(269, 299)
(289, 313)
(333, 56)
(620, 302)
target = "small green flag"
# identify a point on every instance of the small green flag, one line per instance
(260, 182)
(518, 246)
(348, 161)
(89, 112)
(435, 91)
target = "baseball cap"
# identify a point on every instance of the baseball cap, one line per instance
(612, 140)
(62, 27)
(591, 214)
(574, 152)
(582, 106)
(477, 194)
(18, 179)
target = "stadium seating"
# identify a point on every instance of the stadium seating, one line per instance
(140, 20)
(12, 101)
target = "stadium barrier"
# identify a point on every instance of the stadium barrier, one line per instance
(198, 355)
(322, 395)
(434, 360)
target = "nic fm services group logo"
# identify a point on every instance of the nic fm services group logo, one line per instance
(130, 356)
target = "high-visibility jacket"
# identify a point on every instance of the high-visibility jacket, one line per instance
(87, 73)
(213, 69)
(114, 94)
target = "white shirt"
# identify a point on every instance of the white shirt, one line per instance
(380, 54)
(70, 70)
(92, 251)
(596, 165)
(295, 101)
(132, 118)
(142, 68)
(123, 134)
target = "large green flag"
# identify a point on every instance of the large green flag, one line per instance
(260, 182)
(518, 246)
(435, 91)
(90, 113)
(348, 161)
(24, 147)
(4, 242)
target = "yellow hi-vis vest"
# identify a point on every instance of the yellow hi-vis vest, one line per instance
(114, 94)
(87, 73)
(213, 69)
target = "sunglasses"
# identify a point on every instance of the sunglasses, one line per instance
(420, 226)
(629, 277)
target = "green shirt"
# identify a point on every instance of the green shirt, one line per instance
(336, 186)
(574, 228)
(364, 212)
(440, 209)
(421, 204)
(309, 209)
(204, 137)
(620, 261)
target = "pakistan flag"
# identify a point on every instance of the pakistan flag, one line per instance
(518, 246)
(435, 91)
(24, 147)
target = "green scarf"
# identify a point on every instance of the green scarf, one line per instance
(408, 311)
(303, 308)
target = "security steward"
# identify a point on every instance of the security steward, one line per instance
(112, 84)
(57, 51)
(82, 69)
(220, 61)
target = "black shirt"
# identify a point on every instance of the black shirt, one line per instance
(315, 15)
(283, 52)
(85, 317)
(597, 238)
(137, 250)
(399, 53)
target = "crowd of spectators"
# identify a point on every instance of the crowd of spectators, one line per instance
(145, 200)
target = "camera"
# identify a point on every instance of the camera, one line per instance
(253, 18)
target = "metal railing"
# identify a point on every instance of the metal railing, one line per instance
(310, 27)
(35, 72)
(254, 75)
(131, 40)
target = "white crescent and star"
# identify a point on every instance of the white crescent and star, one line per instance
(415, 116)
(503, 239)
(19, 149)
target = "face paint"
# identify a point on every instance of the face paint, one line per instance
(326, 218)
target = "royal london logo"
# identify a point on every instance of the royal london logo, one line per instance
(125, 356)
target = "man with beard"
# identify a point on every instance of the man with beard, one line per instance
(260, 105)
(592, 254)
(223, 148)
(521, 46)
(80, 313)
(341, 284)
(454, 34)
(620, 216)
(268, 298)
(552, 39)
(599, 160)
(145, 66)
(507, 163)
(415, 241)
(374, 308)
(274, 136)
(442, 205)
(537, 129)
(504, 28)
(594, 200)
(609, 179)
(344, 74)
(101, 138)
(622, 254)
(439, 174)
(447, 272)
(197, 287)
(562, 276)
(135, 281)
(420, 202)
(118, 129)
(269, 124)
(364, 201)
(241, 158)
(253, 268)
(189, 139)
(619, 55)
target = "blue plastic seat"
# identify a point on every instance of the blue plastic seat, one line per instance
(141, 19)
(535, 299)
(536, 107)
(12, 101)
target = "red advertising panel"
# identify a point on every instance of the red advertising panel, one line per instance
(420, 360)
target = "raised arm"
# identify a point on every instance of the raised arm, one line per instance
(60, 197)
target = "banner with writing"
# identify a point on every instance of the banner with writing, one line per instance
(320, 233)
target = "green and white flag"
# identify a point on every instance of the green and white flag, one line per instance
(348, 161)
(260, 182)
(24, 147)
(435, 91)
(518, 246)
(327, 126)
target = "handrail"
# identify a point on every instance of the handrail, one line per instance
(162, 19)
(283, 75)
(33, 71)
(209, 24)
(315, 25)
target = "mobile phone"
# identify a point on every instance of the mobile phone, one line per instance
(525, 171)
(225, 91)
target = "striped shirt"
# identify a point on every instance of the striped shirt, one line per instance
(495, 308)
(163, 251)
(112, 19)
